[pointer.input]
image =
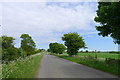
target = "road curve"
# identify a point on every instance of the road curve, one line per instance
(54, 67)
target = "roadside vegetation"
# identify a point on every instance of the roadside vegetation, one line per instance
(19, 62)
(22, 68)
(10, 52)
(110, 65)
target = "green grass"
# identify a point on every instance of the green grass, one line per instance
(0, 70)
(99, 55)
(92, 62)
(23, 68)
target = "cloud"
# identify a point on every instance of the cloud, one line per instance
(47, 22)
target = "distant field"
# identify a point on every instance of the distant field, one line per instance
(99, 55)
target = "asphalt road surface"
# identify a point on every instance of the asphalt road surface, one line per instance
(54, 67)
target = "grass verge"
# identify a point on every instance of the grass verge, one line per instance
(110, 67)
(23, 68)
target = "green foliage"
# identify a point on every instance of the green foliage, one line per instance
(0, 42)
(108, 15)
(22, 68)
(7, 42)
(0, 54)
(114, 52)
(38, 51)
(15, 65)
(27, 45)
(10, 54)
(48, 50)
(56, 48)
(86, 51)
(43, 50)
(73, 42)
(1, 48)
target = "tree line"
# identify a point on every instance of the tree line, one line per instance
(10, 52)
(72, 41)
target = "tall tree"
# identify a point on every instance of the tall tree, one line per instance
(108, 15)
(9, 52)
(73, 42)
(27, 44)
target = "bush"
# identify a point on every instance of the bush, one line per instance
(86, 51)
(114, 52)
(10, 54)
(56, 48)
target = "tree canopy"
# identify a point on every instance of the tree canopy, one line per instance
(56, 48)
(7, 42)
(27, 44)
(9, 52)
(108, 15)
(74, 42)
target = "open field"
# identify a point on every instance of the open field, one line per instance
(23, 68)
(99, 55)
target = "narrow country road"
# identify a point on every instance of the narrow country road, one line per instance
(54, 67)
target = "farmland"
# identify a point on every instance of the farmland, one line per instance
(99, 55)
